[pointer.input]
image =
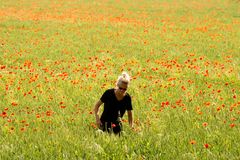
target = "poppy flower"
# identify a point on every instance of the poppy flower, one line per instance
(4, 114)
(206, 145)
(232, 125)
(205, 124)
(192, 142)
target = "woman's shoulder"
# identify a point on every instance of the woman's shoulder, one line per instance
(110, 90)
(128, 95)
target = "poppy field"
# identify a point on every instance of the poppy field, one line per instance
(58, 57)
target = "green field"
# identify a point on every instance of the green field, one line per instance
(59, 56)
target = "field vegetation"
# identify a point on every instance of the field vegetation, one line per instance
(58, 57)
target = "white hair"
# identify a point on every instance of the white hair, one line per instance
(123, 78)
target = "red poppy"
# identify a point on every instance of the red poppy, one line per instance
(205, 124)
(38, 115)
(206, 145)
(192, 142)
(4, 114)
(232, 125)
(14, 104)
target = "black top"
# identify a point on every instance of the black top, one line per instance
(112, 106)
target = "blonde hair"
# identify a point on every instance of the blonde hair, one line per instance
(123, 78)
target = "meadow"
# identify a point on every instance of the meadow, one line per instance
(58, 57)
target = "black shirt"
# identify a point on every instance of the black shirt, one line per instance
(112, 106)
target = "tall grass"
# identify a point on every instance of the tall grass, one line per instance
(58, 57)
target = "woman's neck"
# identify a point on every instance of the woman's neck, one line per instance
(119, 96)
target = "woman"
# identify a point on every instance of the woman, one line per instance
(116, 102)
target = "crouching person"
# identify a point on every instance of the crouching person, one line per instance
(116, 102)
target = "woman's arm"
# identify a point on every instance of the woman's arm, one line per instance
(96, 110)
(130, 118)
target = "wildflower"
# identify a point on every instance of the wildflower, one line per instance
(93, 125)
(150, 99)
(192, 142)
(183, 88)
(206, 145)
(205, 124)
(38, 115)
(4, 114)
(23, 121)
(153, 109)
(207, 103)
(124, 120)
(232, 125)
(218, 108)
(3, 67)
(49, 113)
(14, 104)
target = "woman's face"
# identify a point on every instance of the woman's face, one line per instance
(122, 88)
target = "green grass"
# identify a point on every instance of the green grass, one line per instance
(58, 57)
